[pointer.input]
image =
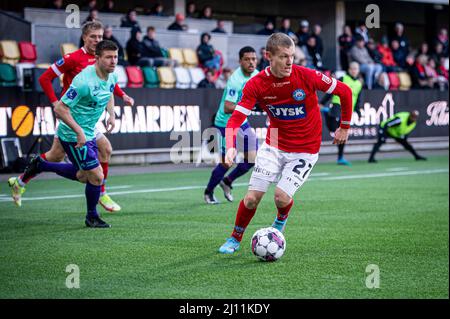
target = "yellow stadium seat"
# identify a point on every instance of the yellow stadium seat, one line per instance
(67, 48)
(9, 52)
(177, 55)
(166, 77)
(190, 58)
(405, 80)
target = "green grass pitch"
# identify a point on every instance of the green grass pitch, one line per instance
(163, 244)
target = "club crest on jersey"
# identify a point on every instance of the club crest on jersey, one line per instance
(60, 62)
(288, 111)
(71, 94)
(299, 95)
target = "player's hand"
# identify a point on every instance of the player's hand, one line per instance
(230, 156)
(81, 140)
(340, 136)
(110, 124)
(128, 100)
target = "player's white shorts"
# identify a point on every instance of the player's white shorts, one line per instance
(97, 133)
(289, 170)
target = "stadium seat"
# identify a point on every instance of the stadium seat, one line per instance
(150, 77)
(67, 48)
(135, 77)
(394, 81)
(190, 58)
(183, 78)
(121, 75)
(405, 80)
(167, 79)
(19, 71)
(7, 75)
(197, 75)
(9, 52)
(27, 52)
(177, 55)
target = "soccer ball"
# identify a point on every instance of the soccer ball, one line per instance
(268, 244)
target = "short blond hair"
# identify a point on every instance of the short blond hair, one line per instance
(277, 40)
(90, 26)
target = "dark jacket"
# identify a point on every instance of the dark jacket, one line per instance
(205, 51)
(151, 48)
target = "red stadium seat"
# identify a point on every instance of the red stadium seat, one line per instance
(135, 77)
(394, 81)
(27, 52)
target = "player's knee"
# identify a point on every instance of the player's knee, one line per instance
(95, 177)
(281, 198)
(55, 155)
(251, 201)
(81, 176)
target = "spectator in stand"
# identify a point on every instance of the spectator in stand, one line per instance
(93, 16)
(368, 67)
(90, 4)
(108, 7)
(152, 49)
(399, 54)
(303, 33)
(424, 49)
(135, 49)
(220, 27)
(438, 52)
(178, 24)
(157, 10)
(130, 20)
(346, 42)
(208, 81)
(312, 56)
(317, 30)
(440, 82)
(299, 55)
(399, 35)
(373, 51)
(108, 35)
(191, 10)
(206, 13)
(269, 28)
(419, 78)
(442, 38)
(361, 30)
(206, 54)
(286, 27)
(55, 4)
(263, 62)
(387, 59)
(442, 68)
(221, 82)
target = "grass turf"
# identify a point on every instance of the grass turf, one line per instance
(163, 244)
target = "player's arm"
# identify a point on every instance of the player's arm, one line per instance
(231, 97)
(336, 87)
(120, 93)
(55, 70)
(396, 121)
(327, 97)
(62, 112)
(111, 122)
(240, 113)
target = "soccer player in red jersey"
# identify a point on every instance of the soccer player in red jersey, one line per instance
(287, 93)
(70, 65)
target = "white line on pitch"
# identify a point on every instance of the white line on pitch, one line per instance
(171, 189)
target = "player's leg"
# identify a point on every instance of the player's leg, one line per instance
(17, 184)
(218, 172)
(92, 192)
(267, 169)
(382, 136)
(297, 169)
(410, 149)
(248, 143)
(104, 156)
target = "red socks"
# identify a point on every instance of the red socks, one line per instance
(243, 218)
(283, 213)
(105, 166)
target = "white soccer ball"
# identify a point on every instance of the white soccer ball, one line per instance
(268, 244)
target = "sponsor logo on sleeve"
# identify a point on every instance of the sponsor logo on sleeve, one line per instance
(111, 88)
(232, 92)
(71, 93)
(60, 62)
